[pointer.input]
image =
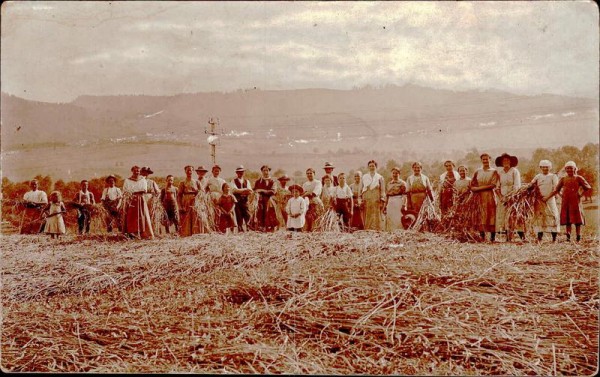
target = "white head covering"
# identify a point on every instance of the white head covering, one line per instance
(571, 164)
(546, 163)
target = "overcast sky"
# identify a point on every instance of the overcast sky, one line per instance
(56, 51)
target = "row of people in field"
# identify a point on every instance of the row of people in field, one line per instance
(366, 203)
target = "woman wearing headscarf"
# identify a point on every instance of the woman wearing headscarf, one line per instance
(418, 187)
(463, 182)
(546, 213)
(356, 222)
(394, 201)
(136, 221)
(571, 211)
(509, 181)
(483, 184)
(265, 187)
(373, 195)
(447, 191)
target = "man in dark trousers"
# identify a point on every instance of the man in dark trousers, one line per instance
(329, 171)
(241, 191)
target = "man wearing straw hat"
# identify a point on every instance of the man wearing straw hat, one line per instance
(329, 172)
(241, 191)
(111, 200)
(202, 179)
(34, 201)
(509, 181)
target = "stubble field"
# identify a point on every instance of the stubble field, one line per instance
(363, 303)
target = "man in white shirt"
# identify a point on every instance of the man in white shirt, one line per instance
(202, 180)
(84, 199)
(34, 200)
(241, 191)
(111, 200)
(343, 201)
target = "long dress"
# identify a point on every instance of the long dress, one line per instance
(546, 218)
(266, 215)
(487, 198)
(447, 190)
(356, 222)
(571, 211)
(36, 201)
(373, 195)
(189, 222)
(55, 224)
(226, 210)
(136, 215)
(395, 194)
(417, 187)
(296, 206)
(508, 182)
(315, 206)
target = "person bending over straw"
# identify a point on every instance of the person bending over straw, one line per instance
(483, 184)
(571, 211)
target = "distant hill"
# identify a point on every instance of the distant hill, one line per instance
(296, 127)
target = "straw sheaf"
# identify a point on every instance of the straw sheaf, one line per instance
(403, 303)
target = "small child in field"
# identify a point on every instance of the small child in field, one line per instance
(296, 208)
(168, 198)
(571, 211)
(55, 225)
(226, 210)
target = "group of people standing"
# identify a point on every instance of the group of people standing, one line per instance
(202, 204)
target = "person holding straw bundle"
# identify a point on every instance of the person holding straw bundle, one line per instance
(357, 222)
(394, 201)
(418, 188)
(312, 191)
(136, 222)
(34, 201)
(546, 213)
(111, 200)
(186, 197)
(266, 212)
(509, 181)
(448, 181)
(571, 211)
(373, 195)
(84, 200)
(55, 224)
(483, 184)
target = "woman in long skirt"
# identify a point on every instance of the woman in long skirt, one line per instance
(357, 222)
(509, 181)
(186, 196)
(394, 201)
(483, 184)
(312, 195)
(546, 213)
(448, 182)
(266, 214)
(373, 195)
(136, 221)
(418, 187)
(571, 211)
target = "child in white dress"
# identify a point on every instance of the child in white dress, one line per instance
(296, 208)
(55, 224)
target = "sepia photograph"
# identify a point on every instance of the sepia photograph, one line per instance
(300, 187)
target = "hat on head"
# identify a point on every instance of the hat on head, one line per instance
(514, 161)
(201, 168)
(283, 178)
(215, 166)
(571, 164)
(109, 177)
(328, 165)
(396, 169)
(146, 170)
(297, 188)
(240, 168)
(546, 163)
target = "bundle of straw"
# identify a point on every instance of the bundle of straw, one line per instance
(328, 221)
(158, 214)
(428, 217)
(520, 207)
(462, 220)
(206, 211)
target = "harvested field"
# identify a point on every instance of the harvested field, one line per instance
(404, 303)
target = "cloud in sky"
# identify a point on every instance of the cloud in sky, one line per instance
(55, 51)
